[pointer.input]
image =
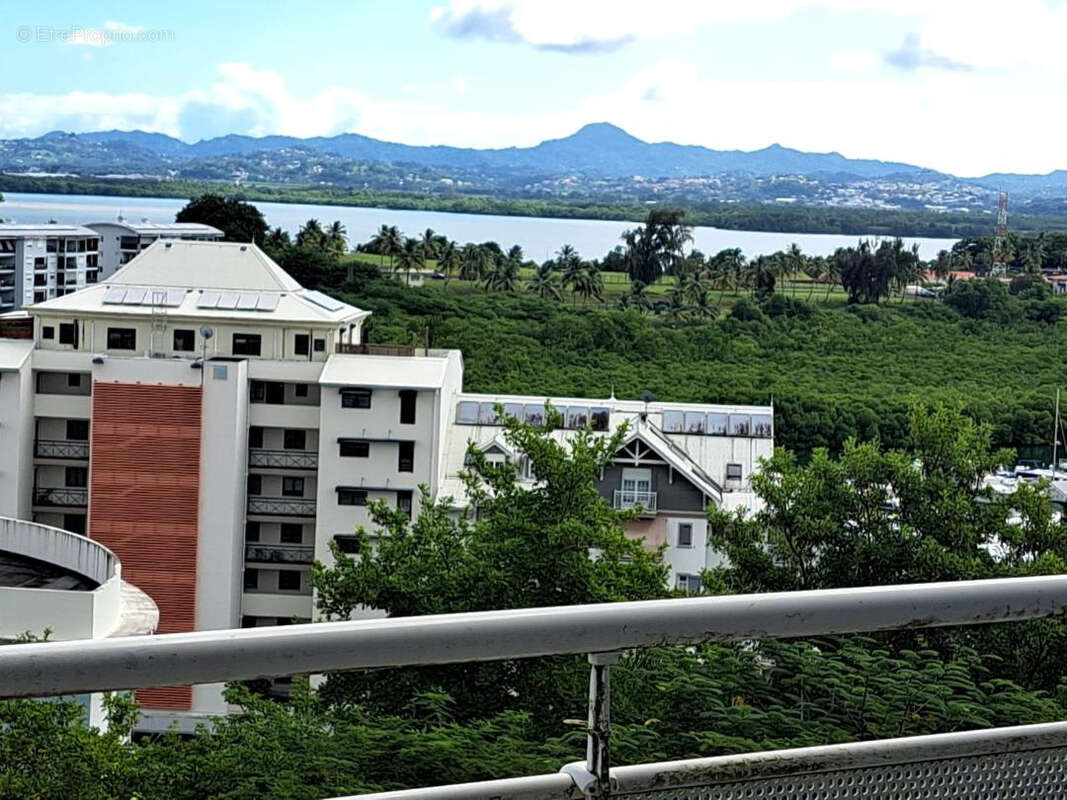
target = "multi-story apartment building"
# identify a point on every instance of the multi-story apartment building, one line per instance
(121, 240)
(217, 426)
(39, 262)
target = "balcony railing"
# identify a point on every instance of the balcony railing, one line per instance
(65, 496)
(283, 459)
(282, 506)
(997, 764)
(279, 553)
(61, 448)
(626, 499)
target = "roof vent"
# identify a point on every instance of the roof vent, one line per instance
(167, 245)
(243, 248)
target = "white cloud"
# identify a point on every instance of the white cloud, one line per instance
(122, 27)
(939, 121)
(854, 60)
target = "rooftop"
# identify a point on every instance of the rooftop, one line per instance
(158, 228)
(398, 372)
(8, 229)
(209, 280)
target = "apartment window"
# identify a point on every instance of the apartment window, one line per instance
(320, 345)
(39, 262)
(467, 413)
(293, 487)
(76, 477)
(255, 436)
(685, 534)
(184, 341)
(40, 297)
(355, 398)
(300, 390)
(740, 424)
(68, 333)
(52, 245)
(74, 379)
(347, 543)
(295, 440)
(733, 472)
(40, 280)
(354, 448)
(121, 339)
(351, 497)
(288, 580)
(403, 502)
(251, 578)
(271, 392)
(407, 407)
(599, 419)
(302, 344)
(48, 332)
(406, 457)
(292, 533)
(255, 484)
(252, 531)
(78, 430)
(689, 583)
(246, 344)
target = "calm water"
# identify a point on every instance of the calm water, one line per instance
(538, 236)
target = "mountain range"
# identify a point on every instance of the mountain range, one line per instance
(599, 157)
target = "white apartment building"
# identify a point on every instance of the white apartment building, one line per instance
(121, 240)
(217, 426)
(39, 262)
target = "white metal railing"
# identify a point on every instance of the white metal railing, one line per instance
(279, 553)
(626, 499)
(602, 631)
(282, 506)
(283, 459)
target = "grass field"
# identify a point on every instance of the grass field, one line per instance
(617, 284)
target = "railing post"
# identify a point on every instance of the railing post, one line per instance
(598, 736)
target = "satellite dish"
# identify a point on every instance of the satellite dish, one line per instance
(206, 332)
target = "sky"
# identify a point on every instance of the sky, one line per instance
(967, 87)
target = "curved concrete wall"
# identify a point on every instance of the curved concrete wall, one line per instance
(68, 614)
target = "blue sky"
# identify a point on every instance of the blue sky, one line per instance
(969, 87)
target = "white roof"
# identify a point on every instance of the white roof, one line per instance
(396, 372)
(14, 352)
(209, 280)
(159, 228)
(8, 230)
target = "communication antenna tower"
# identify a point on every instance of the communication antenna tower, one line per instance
(1000, 241)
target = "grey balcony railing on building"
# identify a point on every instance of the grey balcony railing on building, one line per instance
(279, 553)
(1028, 761)
(282, 506)
(61, 448)
(65, 496)
(283, 459)
(626, 499)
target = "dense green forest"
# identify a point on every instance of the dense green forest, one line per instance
(760, 217)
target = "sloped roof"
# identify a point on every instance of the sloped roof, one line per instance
(194, 277)
(675, 456)
(399, 372)
(159, 228)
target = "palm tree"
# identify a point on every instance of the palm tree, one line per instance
(430, 244)
(336, 239)
(311, 235)
(448, 260)
(762, 275)
(473, 262)
(637, 297)
(504, 277)
(587, 282)
(545, 282)
(276, 240)
(409, 259)
(795, 262)
(815, 270)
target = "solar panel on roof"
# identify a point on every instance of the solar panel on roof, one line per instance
(115, 294)
(228, 300)
(324, 301)
(247, 302)
(267, 302)
(208, 300)
(175, 297)
(134, 296)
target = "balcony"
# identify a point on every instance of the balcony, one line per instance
(61, 448)
(61, 496)
(282, 506)
(265, 553)
(629, 499)
(283, 459)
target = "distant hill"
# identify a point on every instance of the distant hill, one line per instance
(597, 152)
